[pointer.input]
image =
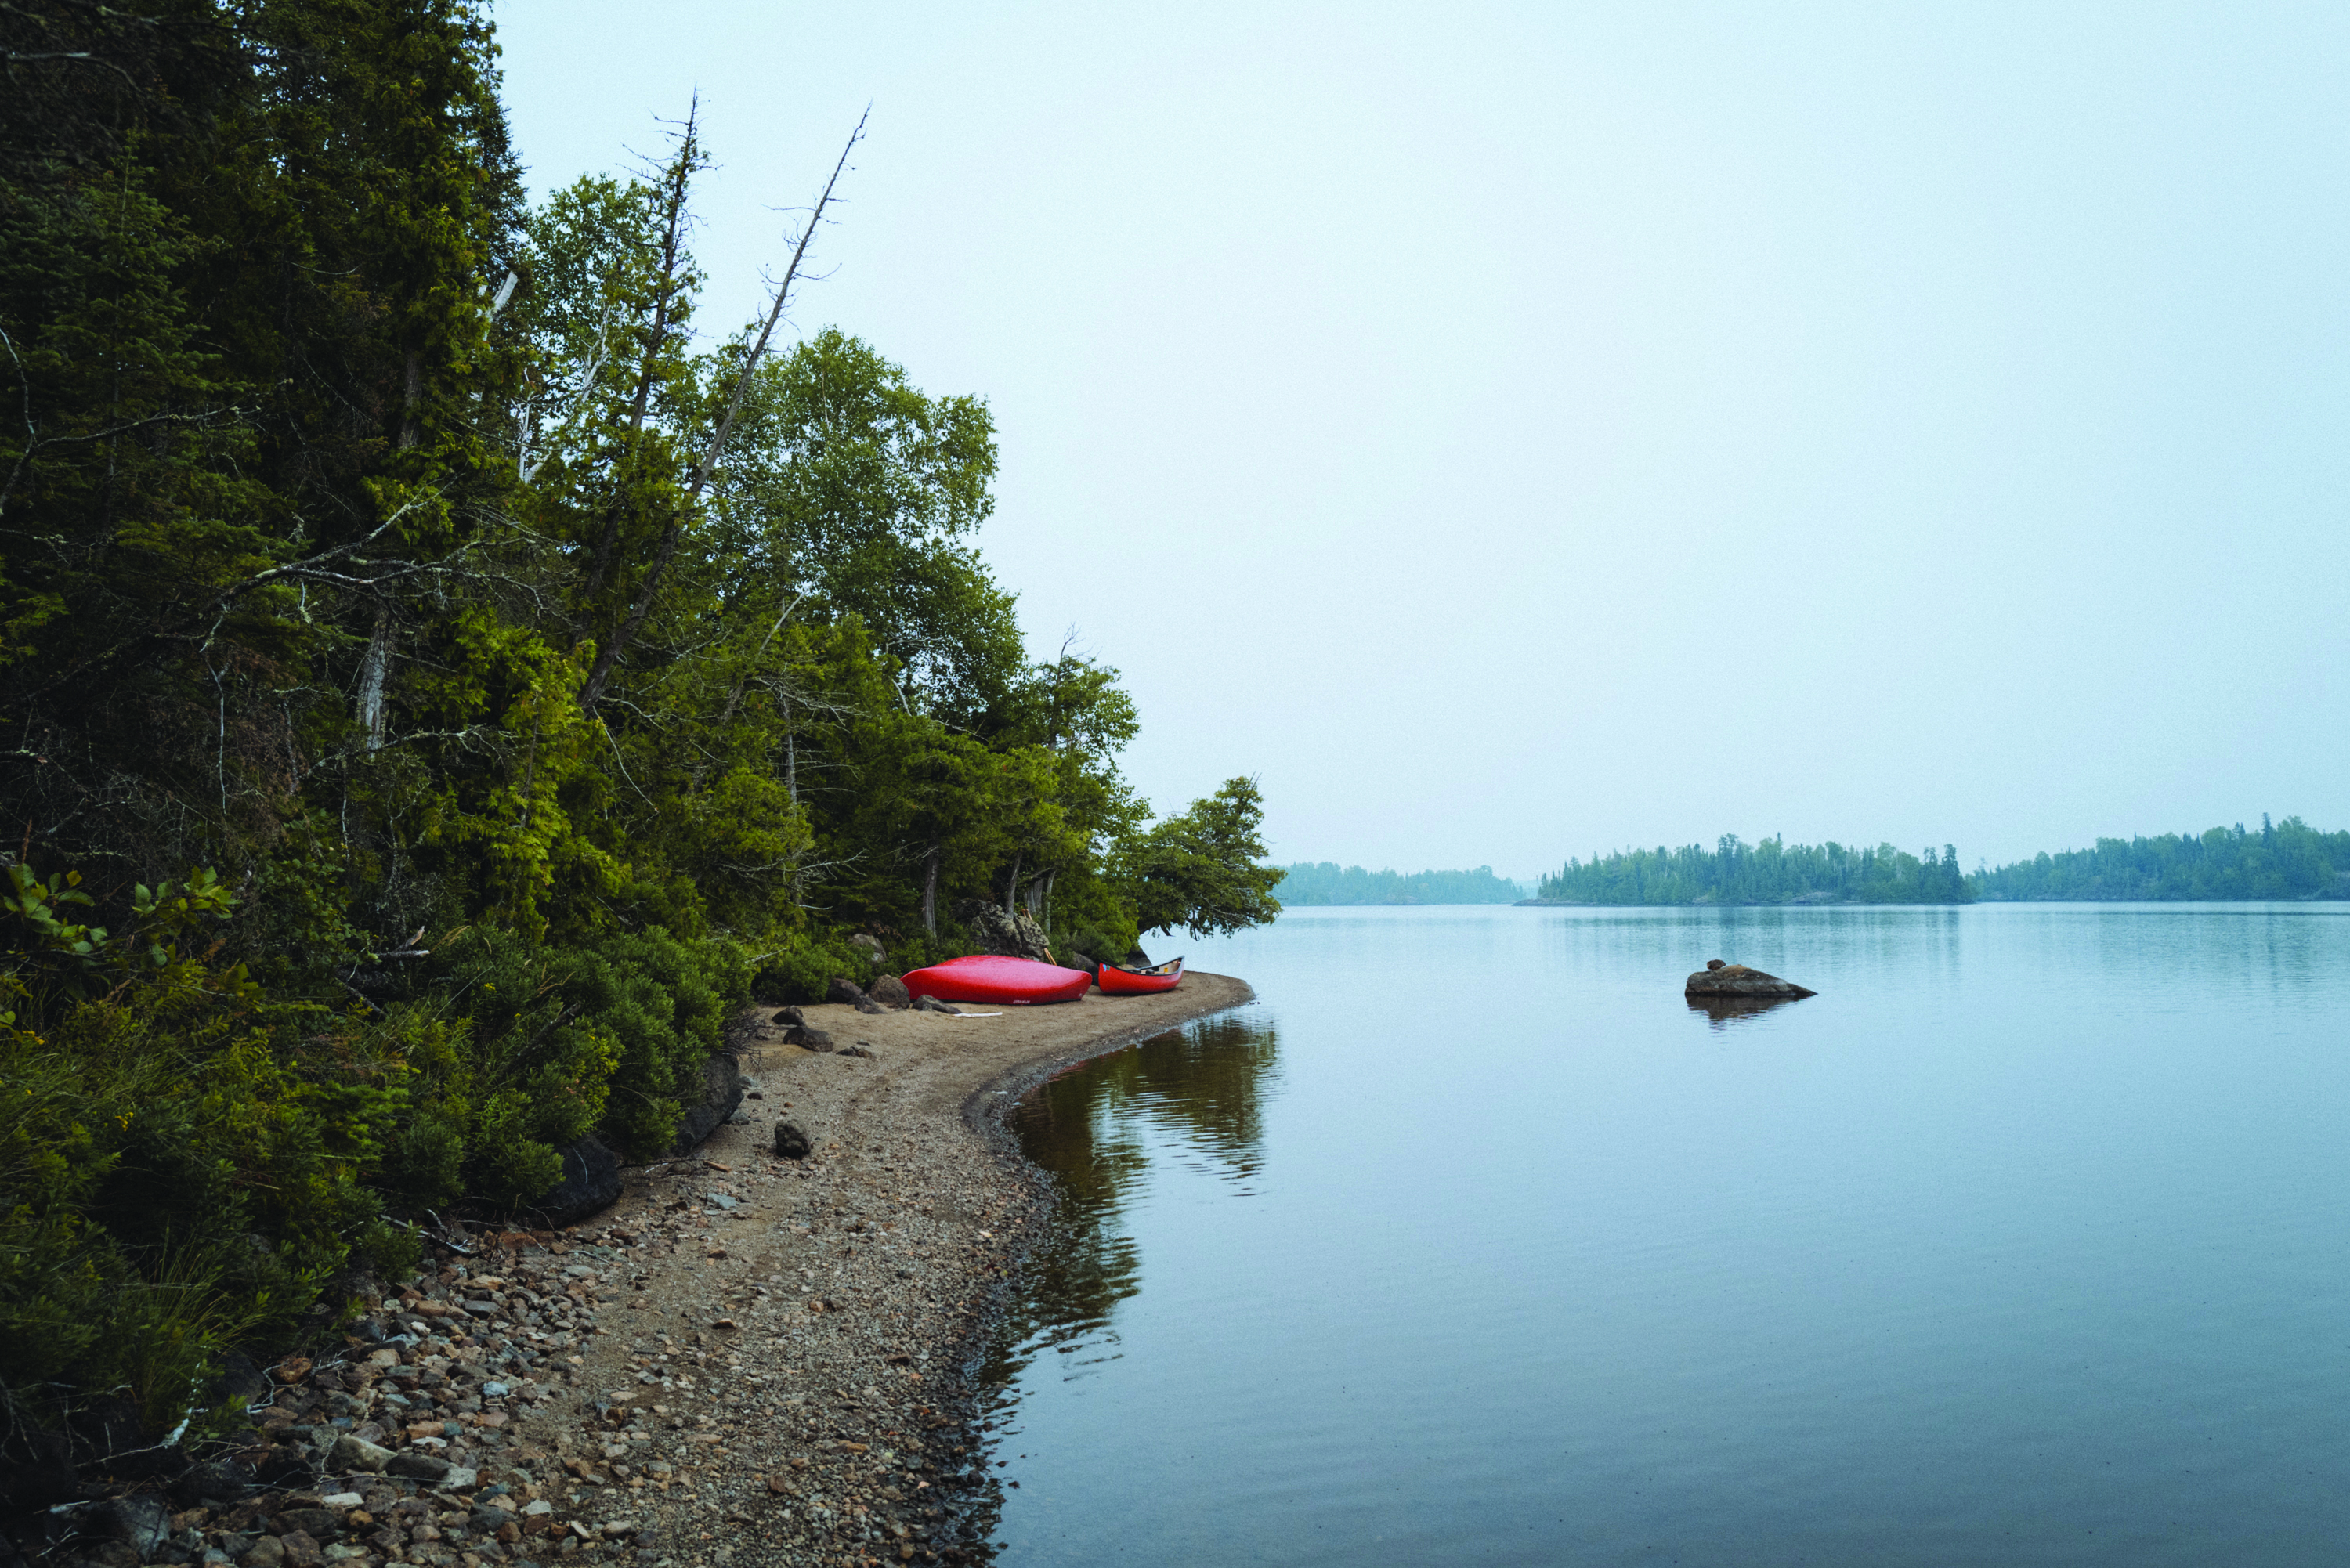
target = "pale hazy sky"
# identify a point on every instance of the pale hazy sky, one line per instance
(1512, 431)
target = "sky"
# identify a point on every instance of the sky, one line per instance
(1510, 432)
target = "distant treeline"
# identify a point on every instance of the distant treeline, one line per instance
(1770, 872)
(1325, 884)
(2288, 859)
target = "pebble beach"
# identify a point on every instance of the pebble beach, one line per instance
(748, 1359)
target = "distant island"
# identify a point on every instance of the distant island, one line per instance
(1315, 885)
(2282, 860)
(1768, 872)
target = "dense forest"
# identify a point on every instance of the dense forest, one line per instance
(1323, 883)
(2288, 859)
(1769, 872)
(442, 679)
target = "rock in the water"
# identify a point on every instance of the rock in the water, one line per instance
(792, 1140)
(1737, 980)
(716, 1094)
(890, 991)
(591, 1182)
(807, 1039)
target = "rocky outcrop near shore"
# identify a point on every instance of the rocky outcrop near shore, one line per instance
(1004, 932)
(1720, 979)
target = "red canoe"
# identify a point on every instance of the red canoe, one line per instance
(1119, 980)
(1013, 981)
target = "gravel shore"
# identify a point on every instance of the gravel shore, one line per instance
(747, 1360)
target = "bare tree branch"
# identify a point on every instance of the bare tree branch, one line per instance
(593, 689)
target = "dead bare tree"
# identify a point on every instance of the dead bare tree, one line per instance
(591, 690)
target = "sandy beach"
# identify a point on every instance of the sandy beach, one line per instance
(747, 1359)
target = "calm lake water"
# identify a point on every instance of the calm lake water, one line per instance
(2027, 1241)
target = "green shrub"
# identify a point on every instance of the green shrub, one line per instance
(799, 970)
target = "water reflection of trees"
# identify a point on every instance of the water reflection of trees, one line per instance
(1091, 1127)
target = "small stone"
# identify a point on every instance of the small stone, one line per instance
(1714, 963)
(856, 1050)
(355, 1453)
(724, 1201)
(417, 1466)
(292, 1370)
(807, 1039)
(313, 1522)
(343, 1499)
(461, 1477)
(494, 1390)
(301, 1548)
(141, 1521)
(266, 1552)
(536, 1507)
(792, 1141)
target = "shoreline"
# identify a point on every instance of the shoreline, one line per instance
(744, 1360)
(886, 1254)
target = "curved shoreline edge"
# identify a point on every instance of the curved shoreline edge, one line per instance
(818, 1396)
(744, 1360)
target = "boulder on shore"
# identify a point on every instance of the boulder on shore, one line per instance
(591, 1181)
(890, 991)
(1005, 932)
(708, 1104)
(1737, 980)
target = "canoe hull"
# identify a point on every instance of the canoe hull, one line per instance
(1116, 981)
(1006, 981)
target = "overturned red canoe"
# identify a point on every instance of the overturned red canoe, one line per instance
(1116, 979)
(1013, 981)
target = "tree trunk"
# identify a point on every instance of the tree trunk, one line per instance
(374, 671)
(930, 891)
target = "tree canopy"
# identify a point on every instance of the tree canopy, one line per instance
(444, 674)
(1768, 872)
